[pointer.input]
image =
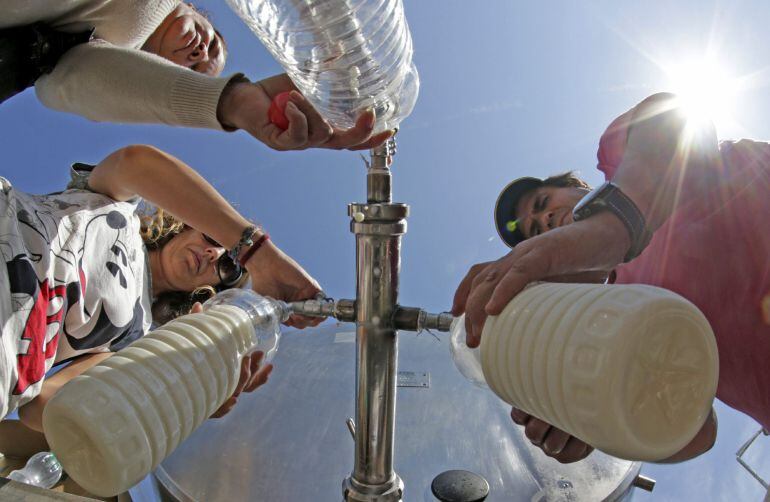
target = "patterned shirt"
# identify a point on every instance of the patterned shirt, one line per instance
(75, 280)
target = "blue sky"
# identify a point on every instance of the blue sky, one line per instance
(508, 88)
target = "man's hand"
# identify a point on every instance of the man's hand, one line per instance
(554, 442)
(251, 377)
(276, 275)
(245, 105)
(597, 243)
(565, 448)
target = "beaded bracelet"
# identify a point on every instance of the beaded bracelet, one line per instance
(246, 241)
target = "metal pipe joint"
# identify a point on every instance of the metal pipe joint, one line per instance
(404, 318)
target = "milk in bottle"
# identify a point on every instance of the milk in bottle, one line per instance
(629, 369)
(112, 425)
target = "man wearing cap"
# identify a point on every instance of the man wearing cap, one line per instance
(680, 211)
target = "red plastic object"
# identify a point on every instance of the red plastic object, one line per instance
(276, 111)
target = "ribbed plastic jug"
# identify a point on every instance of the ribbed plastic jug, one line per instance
(112, 425)
(630, 369)
(343, 55)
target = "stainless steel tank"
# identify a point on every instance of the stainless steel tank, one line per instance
(289, 440)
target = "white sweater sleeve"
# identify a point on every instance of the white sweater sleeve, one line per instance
(103, 82)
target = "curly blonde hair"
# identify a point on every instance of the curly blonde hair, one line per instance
(157, 228)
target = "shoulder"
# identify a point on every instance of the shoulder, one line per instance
(612, 144)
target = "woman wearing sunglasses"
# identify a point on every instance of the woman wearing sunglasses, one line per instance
(87, 271)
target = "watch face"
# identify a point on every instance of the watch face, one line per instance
(591, 203)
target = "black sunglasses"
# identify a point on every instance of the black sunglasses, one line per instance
(229, 272)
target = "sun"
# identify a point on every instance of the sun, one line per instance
(706, 89)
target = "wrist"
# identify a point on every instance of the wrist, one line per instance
(260, 243)
(227, 109)
(609, 198)
(617, 240)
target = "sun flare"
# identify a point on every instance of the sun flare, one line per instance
(706, 89)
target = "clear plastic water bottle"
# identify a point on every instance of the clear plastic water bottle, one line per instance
(343, 55)
(116, 422)
(42, 470)
(466, 359)
(265, 314)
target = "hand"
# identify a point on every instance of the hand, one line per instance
(252, 376)
(276, 275)
(245, 106)
(554, 442)
(597, 243)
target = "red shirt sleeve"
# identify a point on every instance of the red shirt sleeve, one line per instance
(612, 144)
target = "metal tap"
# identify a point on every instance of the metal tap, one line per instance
(404, 318)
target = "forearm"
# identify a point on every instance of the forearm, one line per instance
(169, 183)
(103, 82)
(31, 414)
(591, 246)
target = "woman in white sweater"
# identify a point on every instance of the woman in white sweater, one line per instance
(137, 69)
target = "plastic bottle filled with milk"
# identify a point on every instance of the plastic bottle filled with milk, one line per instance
(630, 369)
(112, 425)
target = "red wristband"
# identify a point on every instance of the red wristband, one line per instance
(253, 249)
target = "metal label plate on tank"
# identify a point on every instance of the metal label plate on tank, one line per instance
(413, 379)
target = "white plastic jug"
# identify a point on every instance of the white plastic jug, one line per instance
(630, 369)
(112, 425)
(343, 55)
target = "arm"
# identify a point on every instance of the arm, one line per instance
(31, 414)
(103, 82)
(171, 184)
(659, 153)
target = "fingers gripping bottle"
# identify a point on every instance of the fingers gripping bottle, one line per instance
(343, 55)
(629, 369)
(112, 425)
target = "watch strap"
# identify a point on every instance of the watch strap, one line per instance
(610, 197)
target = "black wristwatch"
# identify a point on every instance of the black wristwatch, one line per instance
(609, 197)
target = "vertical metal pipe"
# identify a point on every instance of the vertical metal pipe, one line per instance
(378, 226)
(377, 357)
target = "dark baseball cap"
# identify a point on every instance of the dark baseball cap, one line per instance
(505, 209)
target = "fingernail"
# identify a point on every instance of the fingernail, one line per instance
(296, 96)
(370, 118)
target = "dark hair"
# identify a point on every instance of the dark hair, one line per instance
(565, 180)
(172, 304)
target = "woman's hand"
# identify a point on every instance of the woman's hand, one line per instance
(275, 274)
(252, 376)
(245, 105)
(554, 442)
